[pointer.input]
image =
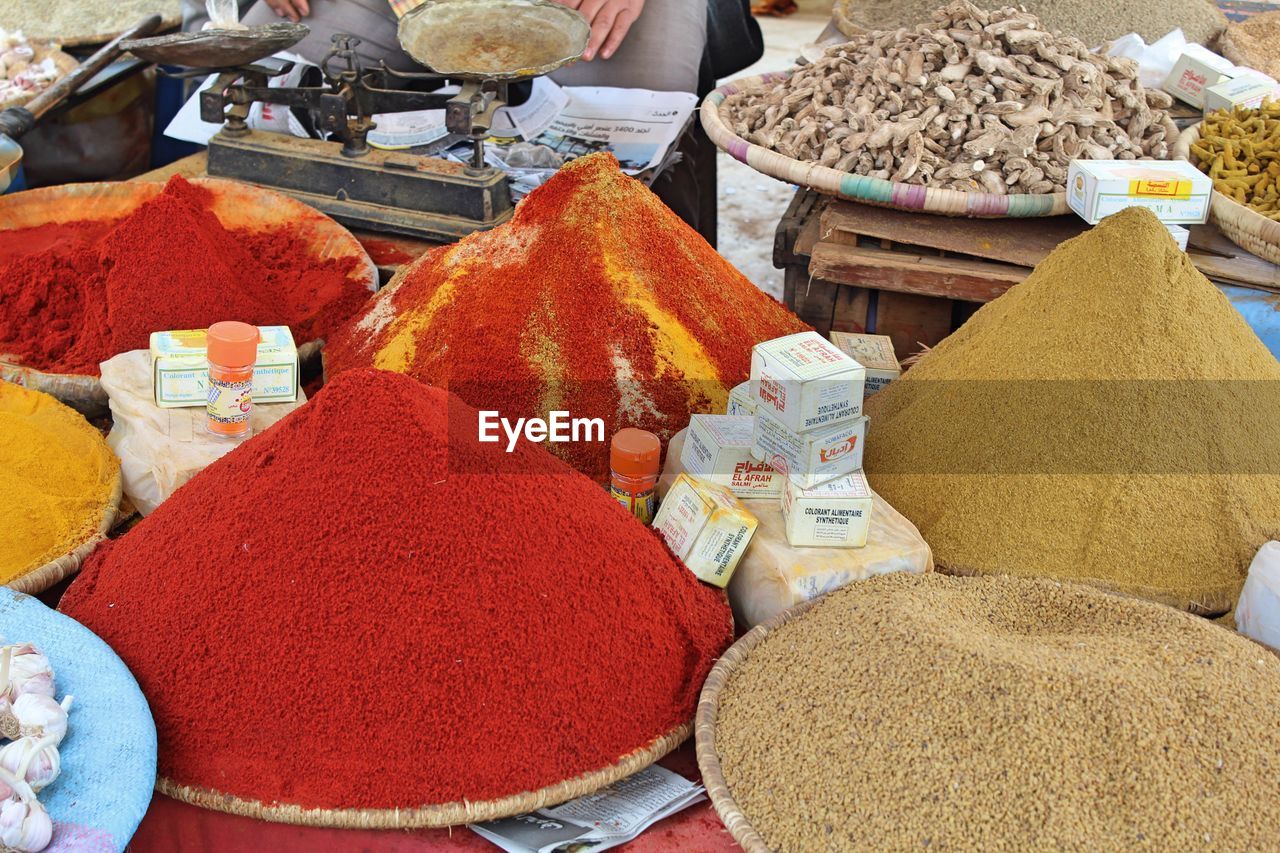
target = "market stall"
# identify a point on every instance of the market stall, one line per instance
(402, 473)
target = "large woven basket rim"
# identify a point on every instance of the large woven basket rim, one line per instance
(42, 577)
(1243, 226)
(432, 816)
(860, 188)
(704, 731)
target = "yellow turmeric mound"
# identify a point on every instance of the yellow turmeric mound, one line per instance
(1110, 420)
(594, 299)
(59, 482)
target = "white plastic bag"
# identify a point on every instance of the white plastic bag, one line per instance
(1156, 60)
(223, 15)
(1258, 611)
(161, 449)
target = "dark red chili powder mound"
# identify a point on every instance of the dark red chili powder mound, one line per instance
(594, 299)
(74, 294)
(364, 607)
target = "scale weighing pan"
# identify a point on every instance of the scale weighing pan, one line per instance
(500, 40)
(218, 48)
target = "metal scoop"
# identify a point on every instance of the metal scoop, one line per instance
(499, 40)
(16, 121)
(218, 48)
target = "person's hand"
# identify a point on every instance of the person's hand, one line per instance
(294, 10)
(609, 19)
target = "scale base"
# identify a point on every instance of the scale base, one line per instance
(389, 191)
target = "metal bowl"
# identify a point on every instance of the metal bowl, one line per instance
(493, 39)
(217, 48)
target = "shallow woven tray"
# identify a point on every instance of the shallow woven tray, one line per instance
(236, 205)
(875, 191)
(1247, 228)
(439, 815)
(704, 731)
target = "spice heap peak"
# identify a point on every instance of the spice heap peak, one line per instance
(534, 630)
(1108, 420)
(595, 299)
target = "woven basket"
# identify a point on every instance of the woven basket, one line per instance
(440, 815)
(1247, 228)
(41, 578)
(875, 191)
(235, 204)
(704, 731)
(842, 16)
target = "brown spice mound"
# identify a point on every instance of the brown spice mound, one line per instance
(917, 711)
(1093, 22)
(1110, 420)
(1254, 42)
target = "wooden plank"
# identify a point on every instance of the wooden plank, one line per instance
(815, 300)
(911, 320)
(952, 278)
(1024, 242)
(850, 314)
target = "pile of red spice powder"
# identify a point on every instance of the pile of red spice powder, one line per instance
(74, 294)
(364, 607)
(595, 299)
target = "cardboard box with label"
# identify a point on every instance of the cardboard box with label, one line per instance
(180, 367)
(810, 458)
(836, 514)
(806, 382)
(873, 352)
(1174, 190)
(741, 400)
(1194, 72)
(718, 448)
(1247, 90)
(706, 526)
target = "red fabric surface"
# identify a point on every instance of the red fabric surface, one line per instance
(171, 825)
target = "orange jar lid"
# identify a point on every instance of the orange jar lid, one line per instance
(635, 453)
(233, 344)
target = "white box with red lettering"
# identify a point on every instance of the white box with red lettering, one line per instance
(810, 458)
(718, 448)
(805, 382)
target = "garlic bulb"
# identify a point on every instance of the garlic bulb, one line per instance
(29, 672)
(41, 717)
(25, 825)
(35, 760)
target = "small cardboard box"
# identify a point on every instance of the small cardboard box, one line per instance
(1246, 90)
(180, 367)
(875, 353)
(806, 382)
(833, 515)
(718, 448)
(1174, 190)
(1192, 75)
(706, 527)
(810, 458)
(1180, 235)
(741, 400)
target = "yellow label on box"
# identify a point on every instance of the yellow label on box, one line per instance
(1160, 189)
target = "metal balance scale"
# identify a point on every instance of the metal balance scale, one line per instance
(484, 44)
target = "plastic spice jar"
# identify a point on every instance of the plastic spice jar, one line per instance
(633, 462)
(232, 348)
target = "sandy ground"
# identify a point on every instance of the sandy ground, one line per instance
(751, 203)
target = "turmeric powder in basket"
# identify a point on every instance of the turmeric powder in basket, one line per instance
(59, 481)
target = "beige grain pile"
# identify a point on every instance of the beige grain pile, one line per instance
(73, 22)
(1094, 22)
(1254, 42)
(1111, 420)
(921, 711)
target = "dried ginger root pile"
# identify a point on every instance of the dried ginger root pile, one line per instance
(979, 101)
